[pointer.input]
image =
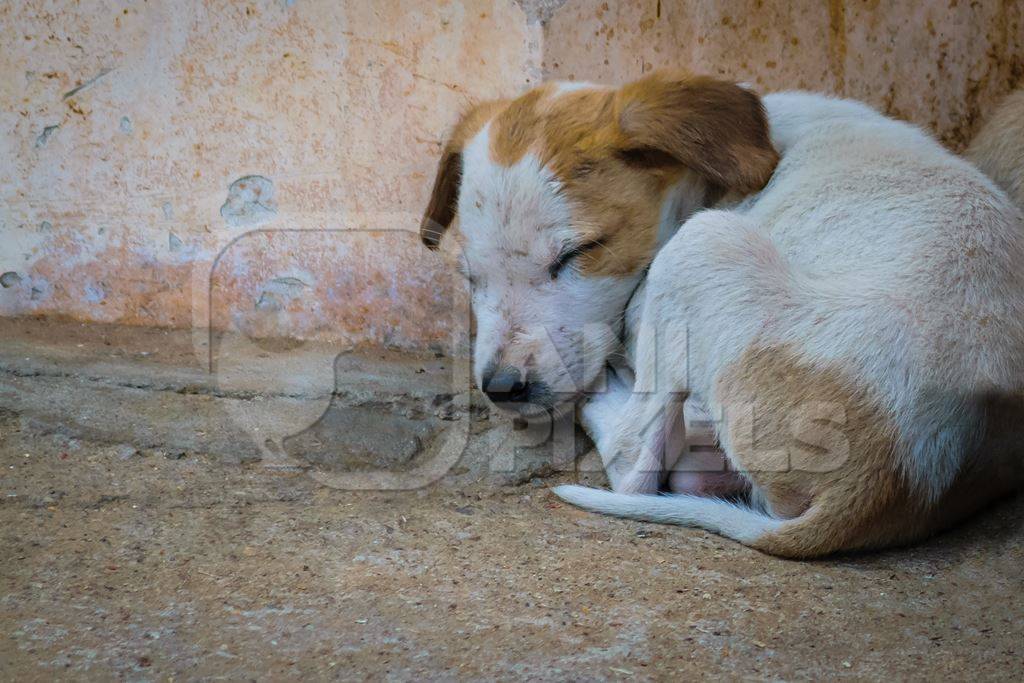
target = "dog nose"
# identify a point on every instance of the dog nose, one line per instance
(506, 386)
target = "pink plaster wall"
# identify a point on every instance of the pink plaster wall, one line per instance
(941, 64)
(111, 195)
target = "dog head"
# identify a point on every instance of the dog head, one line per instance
(563, 197)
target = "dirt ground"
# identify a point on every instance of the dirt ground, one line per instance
(145, 539)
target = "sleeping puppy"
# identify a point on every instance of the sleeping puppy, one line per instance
(851, 313)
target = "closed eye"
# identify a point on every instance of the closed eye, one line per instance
(566, 257)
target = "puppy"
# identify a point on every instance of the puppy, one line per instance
(998, 149)
(852, 314)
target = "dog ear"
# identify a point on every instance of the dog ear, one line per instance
(441, 209)
(716, 128)
(444, 197)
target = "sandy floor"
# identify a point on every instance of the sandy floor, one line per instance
(142, 551)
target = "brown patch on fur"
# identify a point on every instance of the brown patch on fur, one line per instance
(617, 200)
(516, 128)
(714, 127)
(617, 153)
(441, 208)
(640, 141)
(626, 208)
(822, 452)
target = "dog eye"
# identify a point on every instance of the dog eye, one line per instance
(562, 261)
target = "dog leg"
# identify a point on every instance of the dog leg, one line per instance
(696, 280)
(601, 416)
(650, 434)
(658, 443)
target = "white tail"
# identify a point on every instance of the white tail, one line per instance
(732, 520)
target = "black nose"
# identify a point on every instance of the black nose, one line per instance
(506, 386)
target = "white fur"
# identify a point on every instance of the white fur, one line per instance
(601, 414)
(720, 516)
(872, 250)
(514, 222)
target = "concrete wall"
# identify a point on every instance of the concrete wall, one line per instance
(271, 157)
(941, 64)
(125, 125)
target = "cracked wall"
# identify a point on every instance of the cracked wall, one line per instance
(262, 165)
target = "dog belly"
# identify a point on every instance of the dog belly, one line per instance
(703, 469)
(712, 484)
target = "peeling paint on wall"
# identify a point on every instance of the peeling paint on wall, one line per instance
(95, 293)
(250, 202)
(44, 137)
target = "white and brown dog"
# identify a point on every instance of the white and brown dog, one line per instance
(846, 296)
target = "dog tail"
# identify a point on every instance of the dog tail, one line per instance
(829, 525)
(736, 521)
(998, 148)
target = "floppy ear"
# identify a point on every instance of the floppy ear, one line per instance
(441, 210)
(445, 196)
(716, 128)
